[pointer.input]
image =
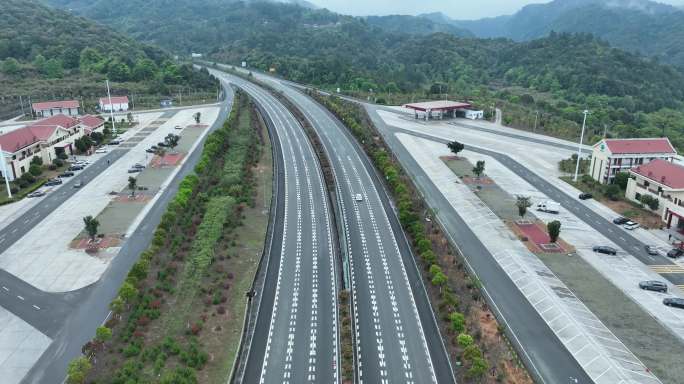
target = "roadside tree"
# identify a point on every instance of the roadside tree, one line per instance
(522, 202)
(197, 116)
(132, 185)
(479, 168)
(103, 334)
(554, 228)
(455, 147)
(171, 140)
(91, 226)
(78, 370)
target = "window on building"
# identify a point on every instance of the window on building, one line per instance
(646, 183)
(637, 196)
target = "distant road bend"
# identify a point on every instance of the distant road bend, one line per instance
(296, 336)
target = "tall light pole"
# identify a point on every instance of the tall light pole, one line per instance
(4, 172)
(111, 109)
(579, 146)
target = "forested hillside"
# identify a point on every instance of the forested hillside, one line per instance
(642, 26)
(556, 77)
(46, 53)
(415, 25)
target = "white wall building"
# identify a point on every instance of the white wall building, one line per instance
(54, 108)
(45, 138)
(612, 156)
(665, 181)
(118, 104)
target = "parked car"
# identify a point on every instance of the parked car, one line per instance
(651, 250)
(78, 184)
(548, 206)
(631, 225)
(36, 194)
(604, 249)
(620, 220)
(674, 302)
(358, 197)
(151, 150)
(115, 142)
(134, 170)
(162, 144)
(585, 196)
(138, 166)
(75, 168)
(675, 253)
(653, 285)
(100, 150)
(53, 182)
(66, 174)
(177, 127)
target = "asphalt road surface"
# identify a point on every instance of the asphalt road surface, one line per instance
(397, 337)
(91, 308)
(614, 233)
(550, 362)
(296, 335)
(46, 311)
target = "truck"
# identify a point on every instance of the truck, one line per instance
(548, 207)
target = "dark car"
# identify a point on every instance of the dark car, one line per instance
(134, 170)
(52, 182)
(66, 174)
(150, 150)
(115, 142)
(161, 144)
(604, 249)
(620, 220)
(651, 250)
(653, 285)
(75, 168)
(585, 196)
(675, 253)
(138, 166)
(674, 302)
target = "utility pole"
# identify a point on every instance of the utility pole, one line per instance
(4, 172)
(111, 109)
(579, 146)
(536, 116)
(21, 103)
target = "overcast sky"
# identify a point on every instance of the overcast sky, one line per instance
(457, 9)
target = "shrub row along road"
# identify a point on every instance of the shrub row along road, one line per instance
(296, 336)
(93, 305)
(397, 339)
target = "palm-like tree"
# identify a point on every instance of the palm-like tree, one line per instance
(91, 226)
(132, 184)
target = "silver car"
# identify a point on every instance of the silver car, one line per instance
(653, 285)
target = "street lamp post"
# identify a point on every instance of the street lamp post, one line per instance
(4, 172)
(579, 146)
(111, 109)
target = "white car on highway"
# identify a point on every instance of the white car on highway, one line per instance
(358, 197)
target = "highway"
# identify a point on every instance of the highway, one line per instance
(548, 359)
(296, 335)
(396, 336)
(89, 307)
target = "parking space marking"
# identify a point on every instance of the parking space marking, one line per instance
(670, 268)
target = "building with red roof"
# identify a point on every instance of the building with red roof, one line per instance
(664, 181)
(52, 108)
(612, 156)
(91, 123)
(117, 104)
(46, 138)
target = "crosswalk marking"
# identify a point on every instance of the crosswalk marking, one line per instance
(671, 268)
